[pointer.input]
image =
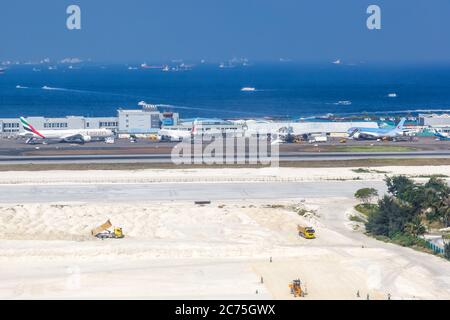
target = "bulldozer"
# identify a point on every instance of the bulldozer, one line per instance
(103, 232)
(296, 288)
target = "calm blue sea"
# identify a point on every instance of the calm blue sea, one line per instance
(283, 89)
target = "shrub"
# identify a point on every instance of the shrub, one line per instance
(366, 208)
(407, 240)
(366, 194)
(356, 218)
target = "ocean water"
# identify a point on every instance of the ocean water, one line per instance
(283, 89)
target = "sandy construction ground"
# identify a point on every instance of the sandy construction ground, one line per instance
(222, 250)
(215, 175)
(235, 248)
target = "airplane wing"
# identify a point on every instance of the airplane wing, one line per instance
(176, 135)
(440, 136)
(72, 137)
(367, 135)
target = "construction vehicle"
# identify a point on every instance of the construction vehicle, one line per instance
(103, 232)
(306, 232)
(296, 288)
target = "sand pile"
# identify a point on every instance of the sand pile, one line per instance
(151, 229)
(215, 251)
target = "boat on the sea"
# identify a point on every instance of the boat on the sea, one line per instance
(248, 89)
(392, 95)
(344, 103)
(226, 66)
(146, 66)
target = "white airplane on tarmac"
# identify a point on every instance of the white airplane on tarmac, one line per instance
(177, 135)
(359, 133)
(73, 136)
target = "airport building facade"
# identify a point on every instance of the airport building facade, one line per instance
(325, 128)
(439, 122)
(254, 127)
(12, 127)
(211, 126)
(434, 120)
(147, 120)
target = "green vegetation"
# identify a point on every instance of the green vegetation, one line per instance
(362, 170)
(379, 148)
(366, 208)
(379, 171)
(403, 214)
(366, 194)
(433, 176)
(406, 240)
(356, 218)
(275, 206)
(285, 164)
(302, 212)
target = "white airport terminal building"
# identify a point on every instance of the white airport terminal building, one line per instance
(149, 120)
(440, 122)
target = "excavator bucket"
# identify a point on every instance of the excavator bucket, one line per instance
(101, 228)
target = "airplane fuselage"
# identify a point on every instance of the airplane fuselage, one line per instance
(375, 133)
(84, 135)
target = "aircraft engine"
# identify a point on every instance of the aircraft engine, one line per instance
(87, 138)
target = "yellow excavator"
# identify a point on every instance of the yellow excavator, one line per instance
(103, 232)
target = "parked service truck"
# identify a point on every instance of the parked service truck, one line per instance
(318, 139)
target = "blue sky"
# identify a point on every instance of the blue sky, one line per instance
(160, 30)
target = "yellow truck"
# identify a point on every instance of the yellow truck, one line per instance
(102, 232)
(306, 232)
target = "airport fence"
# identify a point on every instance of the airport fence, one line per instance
(436, 249)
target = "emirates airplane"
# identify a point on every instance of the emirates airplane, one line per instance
(177, 135)
(72, 136)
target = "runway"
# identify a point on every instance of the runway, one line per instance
(180, 191)
(166, 158)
